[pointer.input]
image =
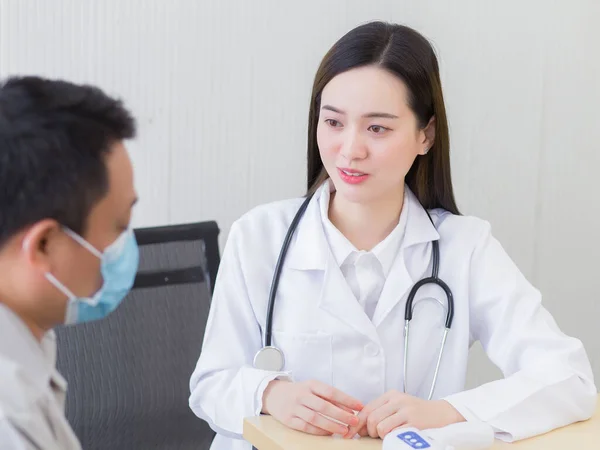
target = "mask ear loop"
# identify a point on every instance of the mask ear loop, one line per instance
(51, 278)
(58, 284)
(61, 287)
(93, 250)
(89, 247)
(65, 290)
(70, 313)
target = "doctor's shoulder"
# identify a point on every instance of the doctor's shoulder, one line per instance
(470, 241)
(468, 231)
(264, 226)
(475, 252)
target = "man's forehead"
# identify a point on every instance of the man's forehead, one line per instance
(121, 195)
(120, 172)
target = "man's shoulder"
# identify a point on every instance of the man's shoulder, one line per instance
(17, 405)
(18, 393)
(10, 436)
(24, 409)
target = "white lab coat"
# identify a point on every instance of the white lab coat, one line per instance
(326, 335)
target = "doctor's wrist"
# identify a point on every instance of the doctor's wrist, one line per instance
(451, 412)
(268, 394)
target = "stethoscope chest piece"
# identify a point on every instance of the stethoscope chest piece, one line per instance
(269, 358)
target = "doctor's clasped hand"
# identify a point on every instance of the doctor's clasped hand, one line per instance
(395, 409)
(308, 406)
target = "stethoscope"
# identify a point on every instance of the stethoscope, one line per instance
(271, 358)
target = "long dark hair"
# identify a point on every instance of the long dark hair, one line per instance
(407, 54)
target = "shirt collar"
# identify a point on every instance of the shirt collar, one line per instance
(38, 359)
(345, 252)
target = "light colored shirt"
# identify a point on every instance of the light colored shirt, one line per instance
(364, 271)
(32, 392)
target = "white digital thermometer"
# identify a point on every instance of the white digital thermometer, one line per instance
(459, 436)
(409, 439)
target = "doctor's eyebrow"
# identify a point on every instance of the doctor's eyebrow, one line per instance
(370, 115)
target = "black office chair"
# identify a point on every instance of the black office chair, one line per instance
(129, 373)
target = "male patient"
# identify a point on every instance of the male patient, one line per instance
(67, 254)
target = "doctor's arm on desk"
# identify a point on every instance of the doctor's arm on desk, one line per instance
(224, 384)
(226, 387)
(548, 378)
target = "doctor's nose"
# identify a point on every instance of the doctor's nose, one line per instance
(352, 147)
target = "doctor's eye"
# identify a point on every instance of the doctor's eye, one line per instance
(333, 123)
(378, 129)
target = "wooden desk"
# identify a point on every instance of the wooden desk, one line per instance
(265, 433)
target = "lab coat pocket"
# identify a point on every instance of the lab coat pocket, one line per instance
(308, 356)
(425, 338)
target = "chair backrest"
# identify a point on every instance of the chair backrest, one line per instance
(129, 373)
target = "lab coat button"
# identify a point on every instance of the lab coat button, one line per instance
(371, 349)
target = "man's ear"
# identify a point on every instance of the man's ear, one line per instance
(37, 241)
(428, 136)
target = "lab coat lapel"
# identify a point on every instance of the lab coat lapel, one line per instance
(310, 251)
(396, 286)
(412, 261)
(339, 301)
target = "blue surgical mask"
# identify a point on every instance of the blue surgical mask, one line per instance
(119, 264)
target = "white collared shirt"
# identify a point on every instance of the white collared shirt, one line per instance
(364, 271)
(32, 392)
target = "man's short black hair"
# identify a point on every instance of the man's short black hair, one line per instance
(54, 136)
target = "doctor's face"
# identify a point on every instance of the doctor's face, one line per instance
(368, 136)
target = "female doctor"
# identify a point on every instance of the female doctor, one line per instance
(333, 356)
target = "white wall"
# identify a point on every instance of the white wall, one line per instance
(221, 89)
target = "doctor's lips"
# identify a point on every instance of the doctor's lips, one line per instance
(352, 176)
